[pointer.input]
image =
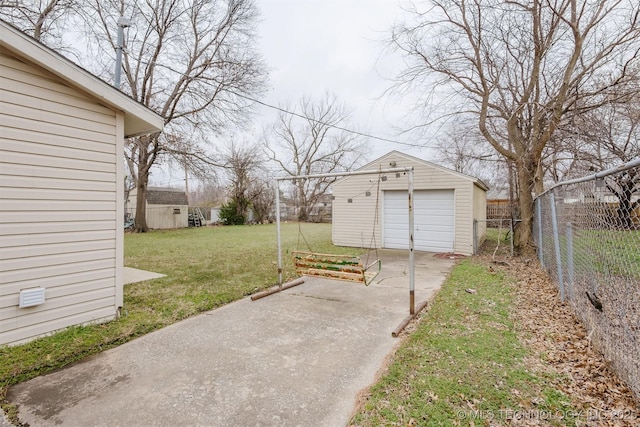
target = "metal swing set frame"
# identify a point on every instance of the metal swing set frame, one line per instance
(341, 266)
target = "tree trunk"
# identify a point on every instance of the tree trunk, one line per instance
(303, 211)
(523, 238)
(140, 221)
(303, 214)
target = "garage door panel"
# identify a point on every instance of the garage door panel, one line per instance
(428, 220)
(437, 236)
(395, 218)
(441, 200)
(433, 220)
(432, 211)
(396, 244)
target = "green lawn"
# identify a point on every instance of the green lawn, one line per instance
(605, 252)
(614, 252)
(464, 365)
(208, 267)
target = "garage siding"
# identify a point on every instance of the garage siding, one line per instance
(353, 222)
(60, 223)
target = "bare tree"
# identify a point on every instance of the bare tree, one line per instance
(263, 200)
(313, 143)
(462, 149)
(44, 20)
(520, 67)
(190, 60)
(244, 167)
(208, 192)
(608, 137)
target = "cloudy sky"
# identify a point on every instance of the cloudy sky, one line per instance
(312, 47)
(335, 46)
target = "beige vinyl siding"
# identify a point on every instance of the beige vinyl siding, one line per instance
(60, 221)
(353, 222)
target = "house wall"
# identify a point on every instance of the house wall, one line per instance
(60, 223)
(354, 224)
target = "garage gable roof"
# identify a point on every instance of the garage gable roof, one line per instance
(138, 119)
(388, 158)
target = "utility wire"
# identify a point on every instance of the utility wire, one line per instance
(293, 113)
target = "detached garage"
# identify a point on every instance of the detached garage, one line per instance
(373, 210)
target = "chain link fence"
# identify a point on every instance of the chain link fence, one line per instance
(587, 232)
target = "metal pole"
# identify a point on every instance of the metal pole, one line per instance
(570, 266)
(631, 164)
(540, 245)
(278, 233)
(512, 230)
(556, 244)
(339, 174)
(122, 24)
(412, 280)
(475, 237)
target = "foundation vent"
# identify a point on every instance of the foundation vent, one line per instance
(31, 297)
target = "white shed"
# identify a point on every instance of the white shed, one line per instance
(372, 212)
(62, 136)
(167, 208)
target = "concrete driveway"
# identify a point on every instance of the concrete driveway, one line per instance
(296, 358)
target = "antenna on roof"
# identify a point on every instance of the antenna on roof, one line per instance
(122, 24)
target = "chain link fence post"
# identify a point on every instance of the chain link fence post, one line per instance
(538, 226)
(556, 244)
(570, 271)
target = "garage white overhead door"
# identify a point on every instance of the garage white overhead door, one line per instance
(433, 217)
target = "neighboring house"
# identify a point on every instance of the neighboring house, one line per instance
(62, 136)
(445, 202)
(167, 208)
